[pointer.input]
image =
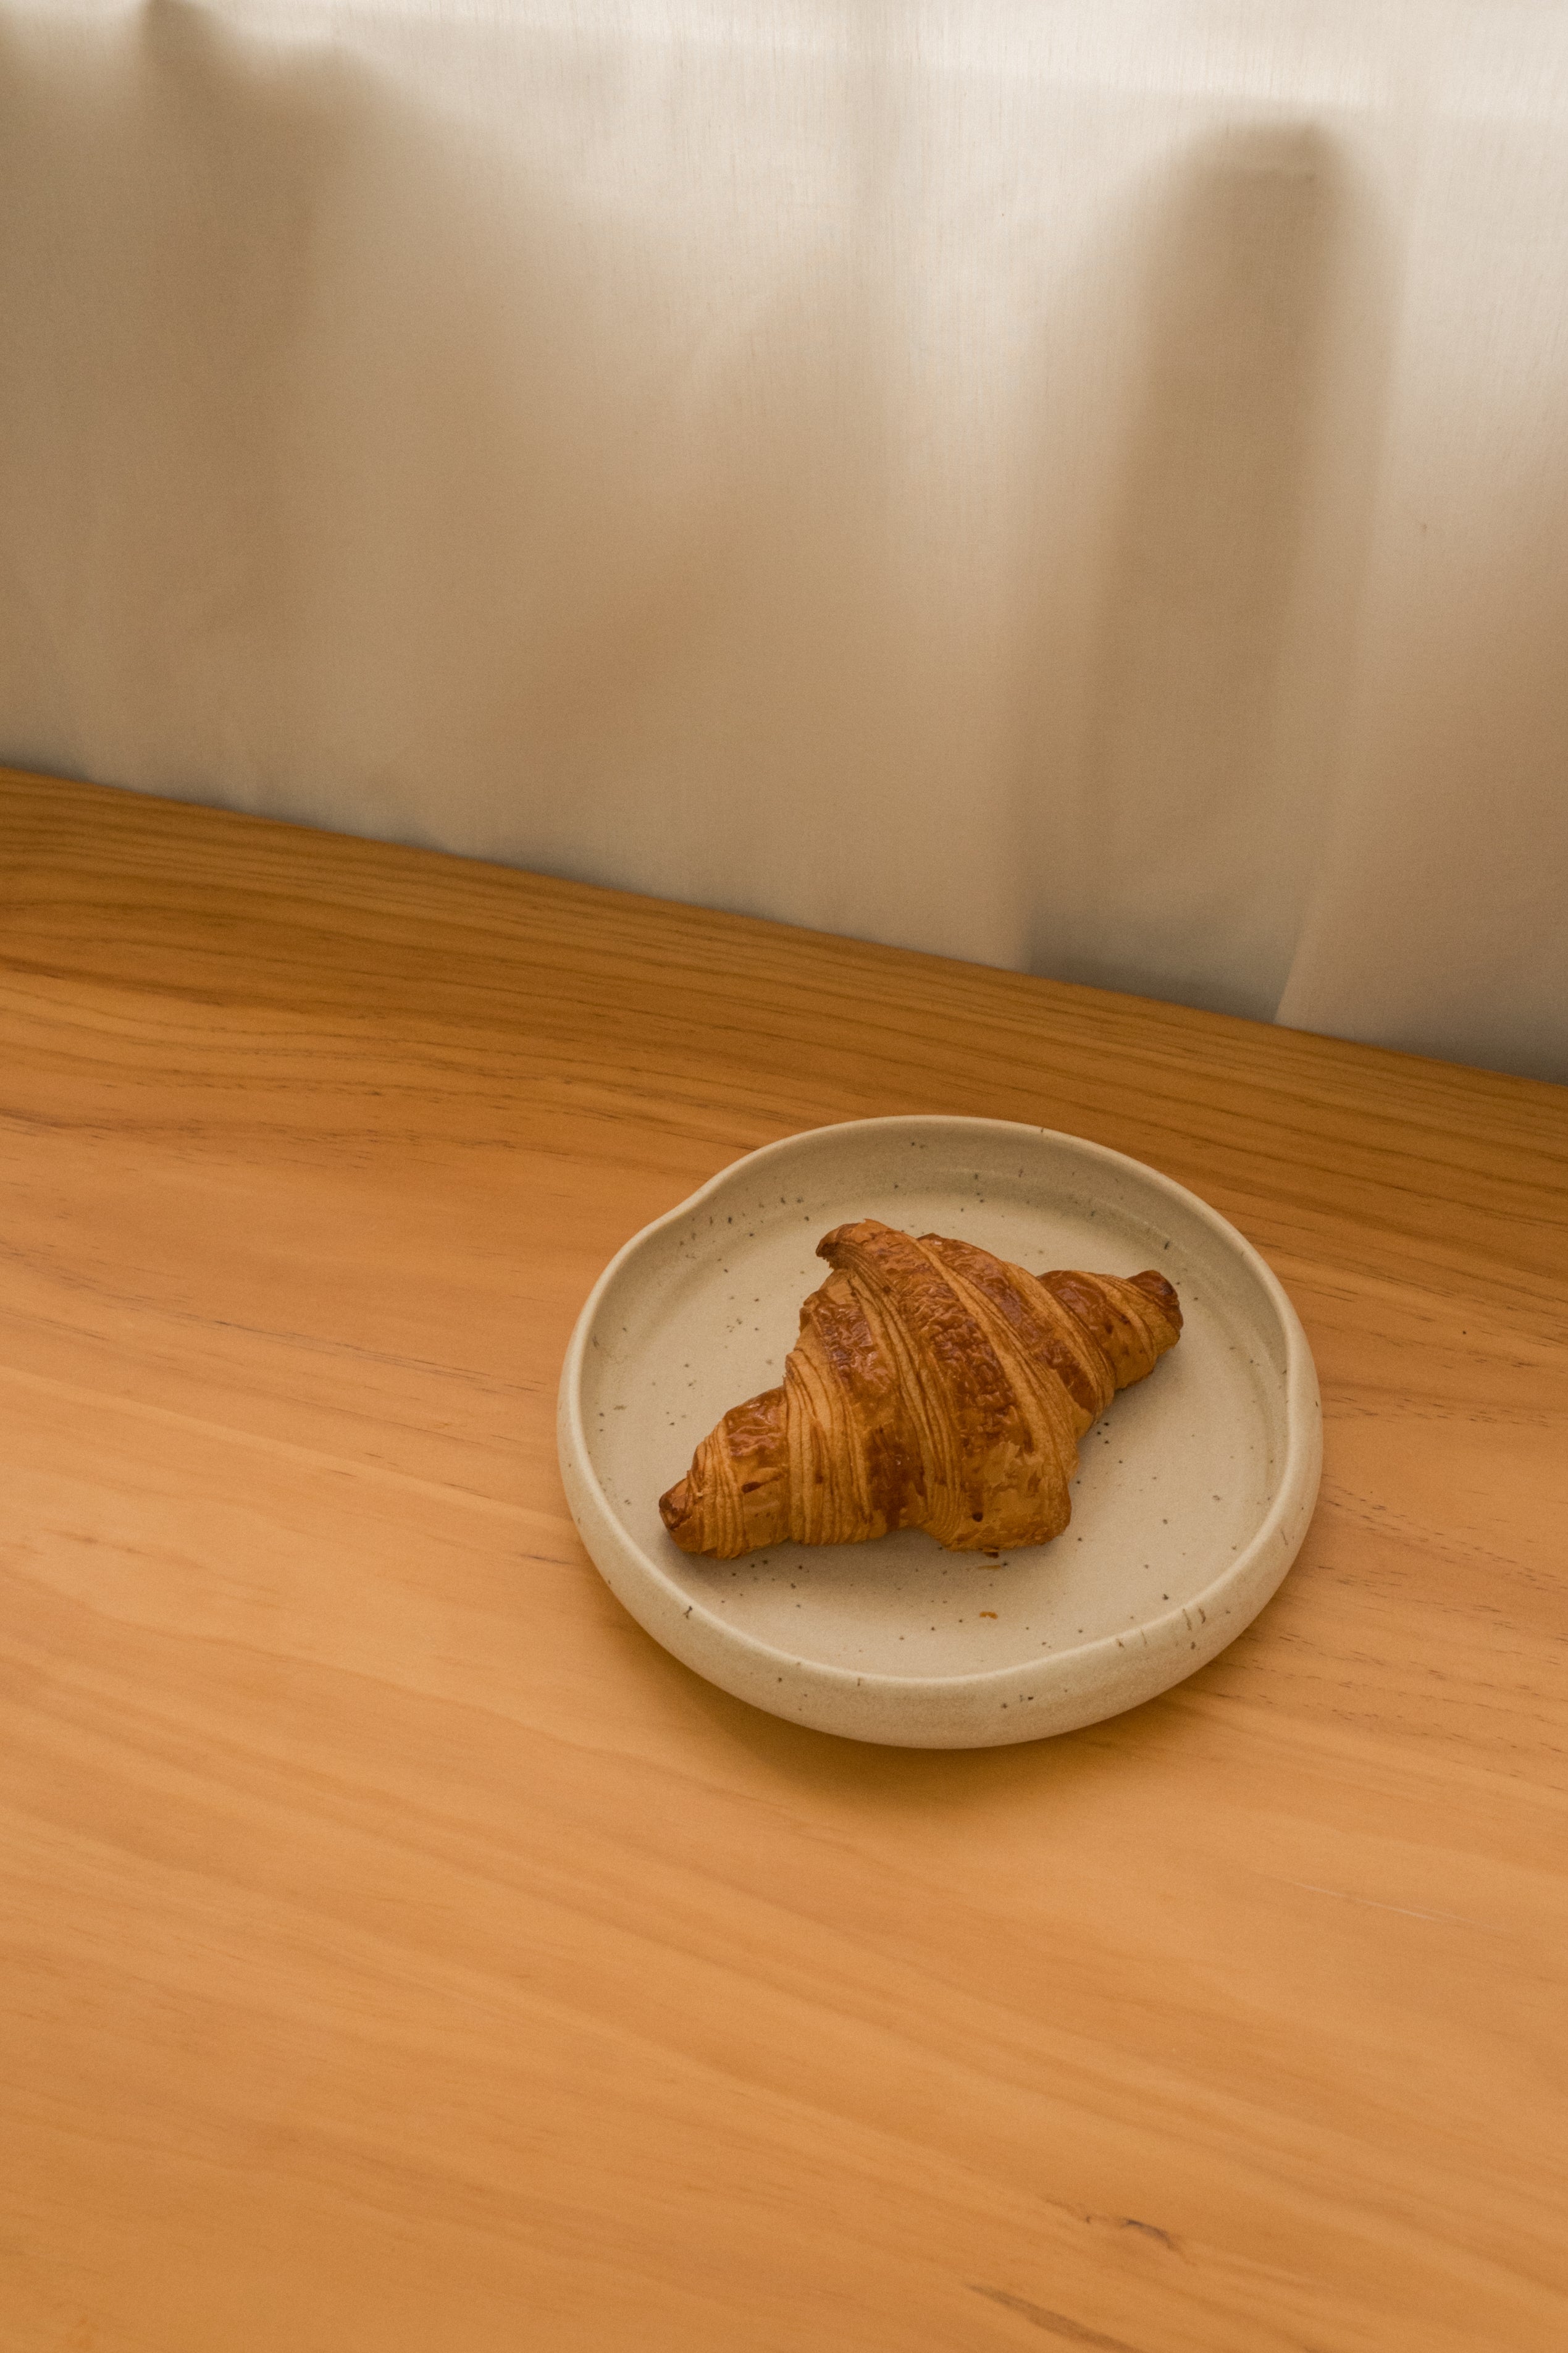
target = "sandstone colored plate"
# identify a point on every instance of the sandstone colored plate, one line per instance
(1193, 1495)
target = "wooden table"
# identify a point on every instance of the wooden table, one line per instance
(401, 1951)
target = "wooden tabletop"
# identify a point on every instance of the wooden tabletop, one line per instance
(401, 1951)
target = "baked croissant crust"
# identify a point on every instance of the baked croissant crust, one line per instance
(933, 1387)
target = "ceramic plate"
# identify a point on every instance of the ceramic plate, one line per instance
(1193, 1495)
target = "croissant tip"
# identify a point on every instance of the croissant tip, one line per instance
(674, 1510)
(1155, 1286)
(858, 1231)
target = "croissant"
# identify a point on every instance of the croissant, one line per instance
(933, 1387)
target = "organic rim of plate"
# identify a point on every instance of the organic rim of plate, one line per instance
(988, 1707)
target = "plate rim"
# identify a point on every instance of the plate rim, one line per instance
(1295, 1497)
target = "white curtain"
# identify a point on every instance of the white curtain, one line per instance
(1077, 484)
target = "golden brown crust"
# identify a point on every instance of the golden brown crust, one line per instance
(933, 1385)
(1127, 1320)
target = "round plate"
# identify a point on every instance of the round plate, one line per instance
(1194, 1490)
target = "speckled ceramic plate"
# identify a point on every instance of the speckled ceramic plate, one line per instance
(1192, 1498)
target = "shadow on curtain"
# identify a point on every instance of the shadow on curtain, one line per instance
(1181, 769)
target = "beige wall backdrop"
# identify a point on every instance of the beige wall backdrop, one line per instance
(1077, 484)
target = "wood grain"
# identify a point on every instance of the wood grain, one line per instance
(400, 1951)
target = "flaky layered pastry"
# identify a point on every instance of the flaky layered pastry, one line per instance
(933, 1387)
